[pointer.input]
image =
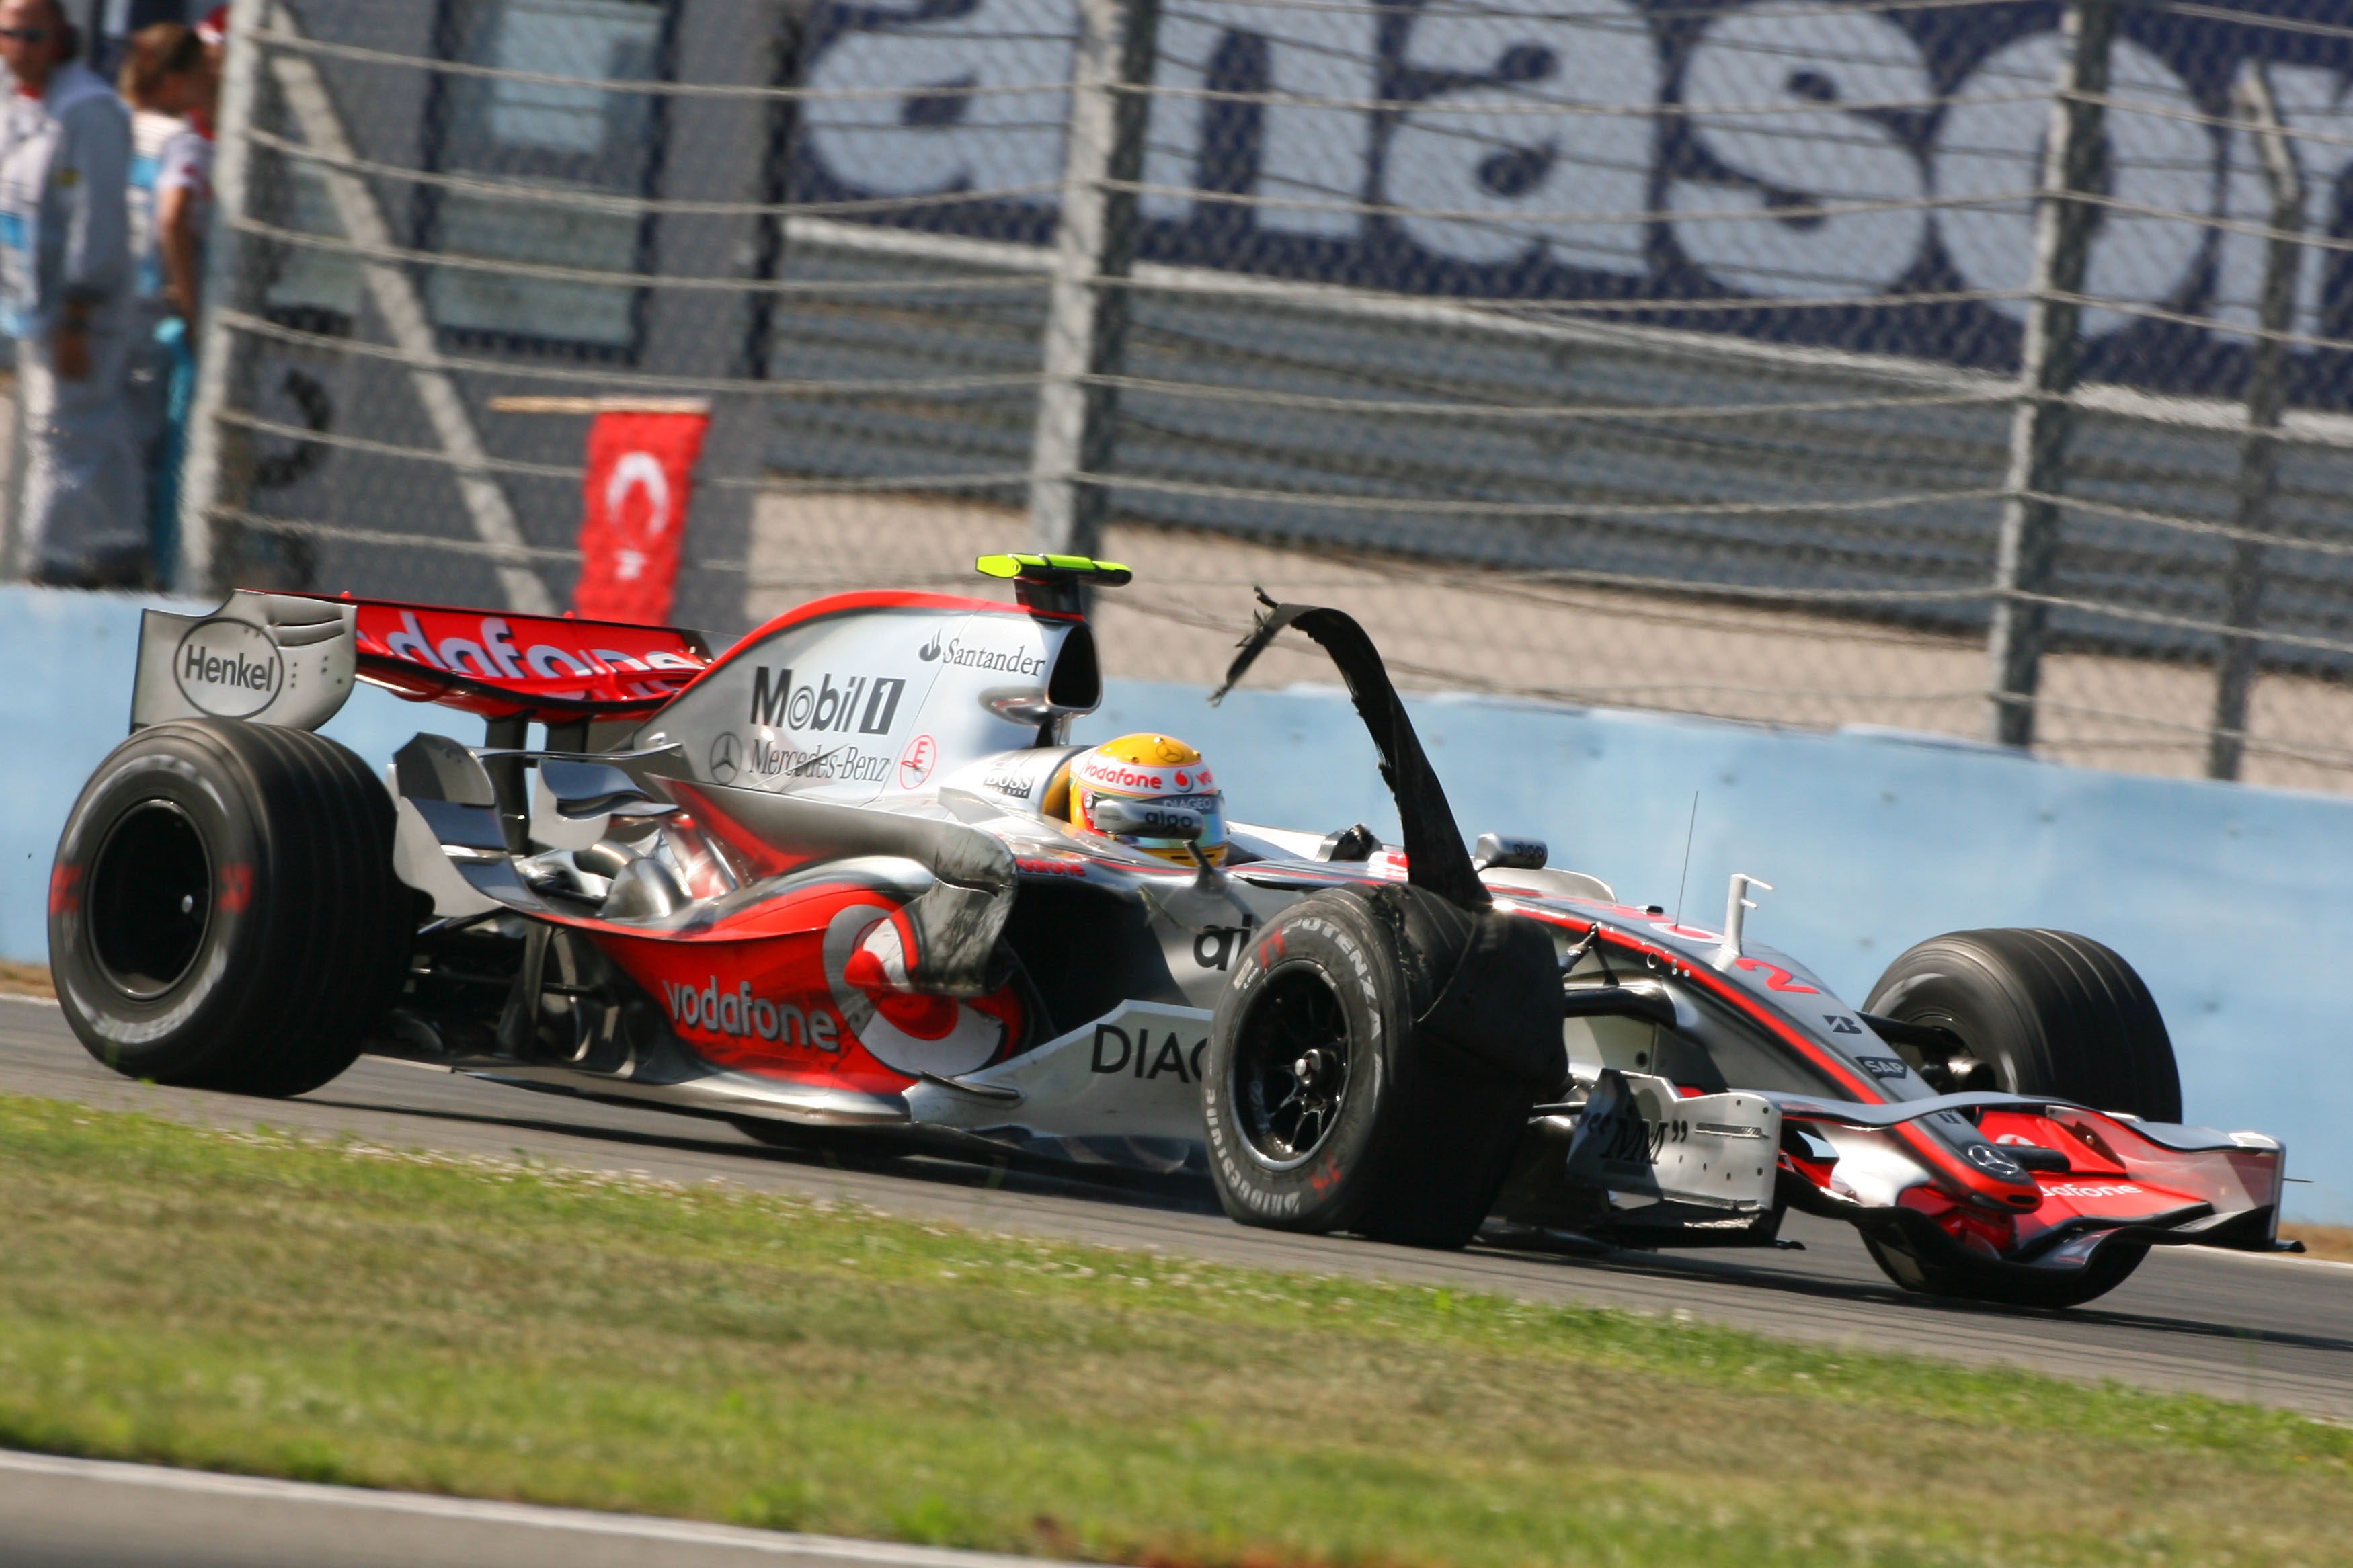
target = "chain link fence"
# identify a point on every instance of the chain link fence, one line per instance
(1976, 369)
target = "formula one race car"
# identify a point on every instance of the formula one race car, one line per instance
(848, 880)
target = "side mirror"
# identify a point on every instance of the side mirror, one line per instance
(1147, 820)
(1357, 843)
(1497, 852)
(585, 790)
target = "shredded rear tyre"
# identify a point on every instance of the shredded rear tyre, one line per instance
(1327, 1107)
(223, 911)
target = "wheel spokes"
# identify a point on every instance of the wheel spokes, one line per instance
(1294, 1070)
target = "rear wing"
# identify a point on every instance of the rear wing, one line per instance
(291, 660)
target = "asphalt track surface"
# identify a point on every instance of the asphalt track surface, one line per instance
(2278, 1331)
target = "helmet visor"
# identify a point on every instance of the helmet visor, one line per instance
(1210, 807)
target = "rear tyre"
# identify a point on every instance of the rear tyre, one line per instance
(2047, 1012)
(1327, 1109)
(223, 911)
(2050, 1012)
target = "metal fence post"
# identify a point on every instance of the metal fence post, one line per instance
(2267, 361)
(202, 467)
(2028, 541)
(1094, 251)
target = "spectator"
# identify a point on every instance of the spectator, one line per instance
(65, 275)
(167, 78)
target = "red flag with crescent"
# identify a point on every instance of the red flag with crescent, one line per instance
(640, 477)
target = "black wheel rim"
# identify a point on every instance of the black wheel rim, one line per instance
(148, 902)
(1291, 1068)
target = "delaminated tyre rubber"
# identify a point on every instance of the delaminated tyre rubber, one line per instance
(2054, 1013)
(1325, 1109)
(223, 911)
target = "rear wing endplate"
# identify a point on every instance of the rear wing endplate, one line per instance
(272, 659)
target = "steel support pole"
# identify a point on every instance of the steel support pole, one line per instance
(204, 467)
(1094, 252)
(2267, 362)
(2048, 360)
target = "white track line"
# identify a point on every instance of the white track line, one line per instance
(2298, 1258)
(579, 1521)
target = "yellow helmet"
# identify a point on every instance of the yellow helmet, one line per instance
(1156, 768)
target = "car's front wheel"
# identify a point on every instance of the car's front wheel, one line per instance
(2046, 1012)
(223, 911)
(2040, 1011)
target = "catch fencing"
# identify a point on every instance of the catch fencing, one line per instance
(1981, 369)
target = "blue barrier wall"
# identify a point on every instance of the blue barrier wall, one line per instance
(2233, 902)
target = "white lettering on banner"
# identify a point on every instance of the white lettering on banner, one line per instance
(1782, 121)
(1307, 153)
(637, 470)
(955, 128)
(1767, 88)
(2308, 100)
(1479, 149)
(1989, 149)
(1790, 106)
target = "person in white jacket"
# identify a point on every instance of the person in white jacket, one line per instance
(66, 281)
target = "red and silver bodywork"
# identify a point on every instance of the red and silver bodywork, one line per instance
(819, 879)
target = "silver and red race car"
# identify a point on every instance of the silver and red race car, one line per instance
(849, 882)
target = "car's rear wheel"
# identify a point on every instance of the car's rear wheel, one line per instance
(223, 910)
(2040, 1011)
(1327, 1109)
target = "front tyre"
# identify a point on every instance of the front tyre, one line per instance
(1326, 1108)
(2046, 1012)
(223, 911)
(1922, 1260)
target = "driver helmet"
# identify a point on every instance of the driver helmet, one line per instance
(1156, 768)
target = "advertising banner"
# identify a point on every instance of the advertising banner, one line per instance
(1859, 178)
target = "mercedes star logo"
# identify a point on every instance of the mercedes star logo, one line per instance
(726, 757)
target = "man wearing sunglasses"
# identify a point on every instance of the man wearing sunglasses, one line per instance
(66, 283)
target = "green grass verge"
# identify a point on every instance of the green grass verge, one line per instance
(340, 1311)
